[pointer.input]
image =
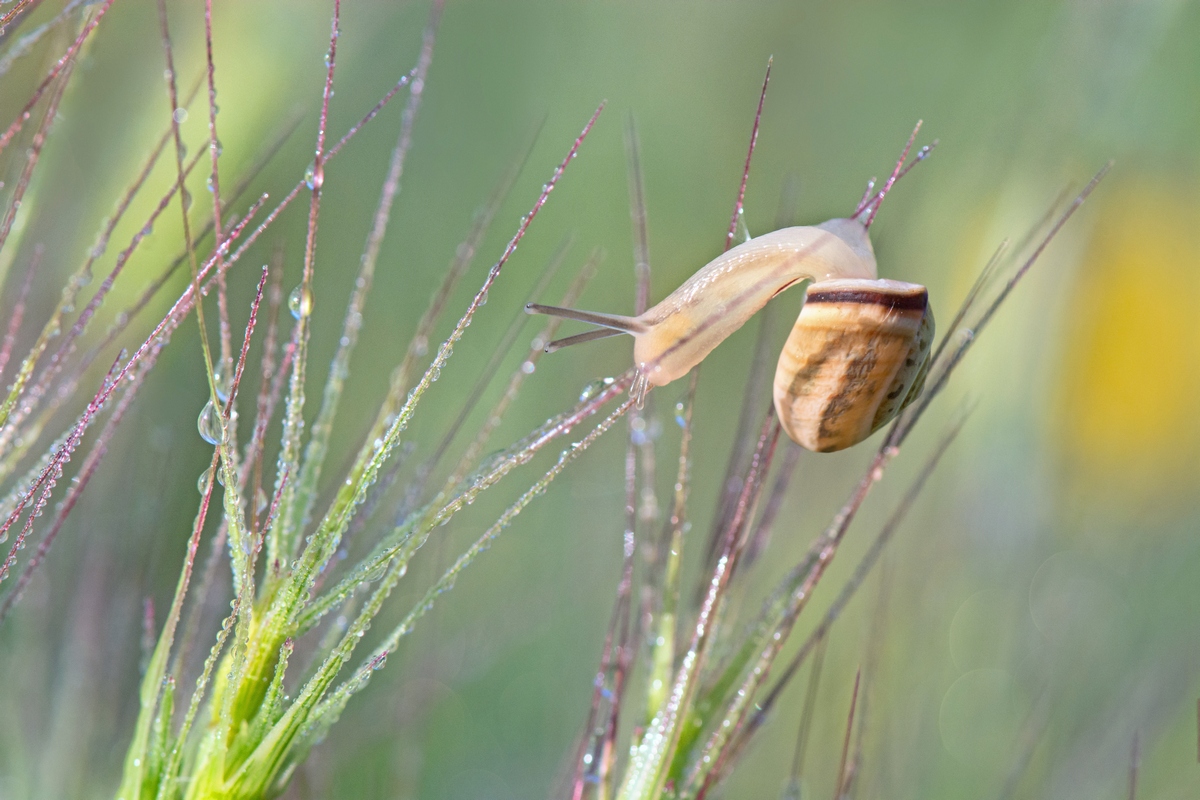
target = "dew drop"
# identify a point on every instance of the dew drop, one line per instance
(591, 390)
(314, 177)
(205, 481)
(180, 115)
(209, 423)
(300, 302)
(528, 367)
(224, 384)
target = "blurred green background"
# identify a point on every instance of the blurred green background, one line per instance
(1041, 603)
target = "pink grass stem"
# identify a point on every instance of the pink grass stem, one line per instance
(26, 111)
(737, 208)
(18, 310)
(34, 154)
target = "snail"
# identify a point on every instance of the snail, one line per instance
(856, 356)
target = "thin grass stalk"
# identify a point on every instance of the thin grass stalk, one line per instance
(185, 203)
(662, 659)
(40, 389)
(839, 786)
(792, 791)
(739, 210)
(214, 186)
(24, 45)
(527, 367)
(6, 223)
(875, 640)
(322, 429)
(34, 152)
(283, 535)
(134, 772)
(16, 11)
(48, 477)
(67, 57)
(486, 375)
(17, 314)
(87, 470)
(737, 464)
(650, 760)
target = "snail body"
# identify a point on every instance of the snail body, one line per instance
(855, 357)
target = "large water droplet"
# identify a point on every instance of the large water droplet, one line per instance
(209, 423)
(300, 302)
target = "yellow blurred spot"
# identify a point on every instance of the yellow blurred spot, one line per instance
(1129, 410)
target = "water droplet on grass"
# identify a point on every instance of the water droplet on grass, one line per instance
(209, 423)
(224, 384)
(300, 302)
(314, 177)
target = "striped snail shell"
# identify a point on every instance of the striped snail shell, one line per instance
(855, 358)
(856, 355)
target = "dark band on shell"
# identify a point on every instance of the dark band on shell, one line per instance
(915, 299)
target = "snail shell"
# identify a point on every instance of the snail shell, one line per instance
(856, 356)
